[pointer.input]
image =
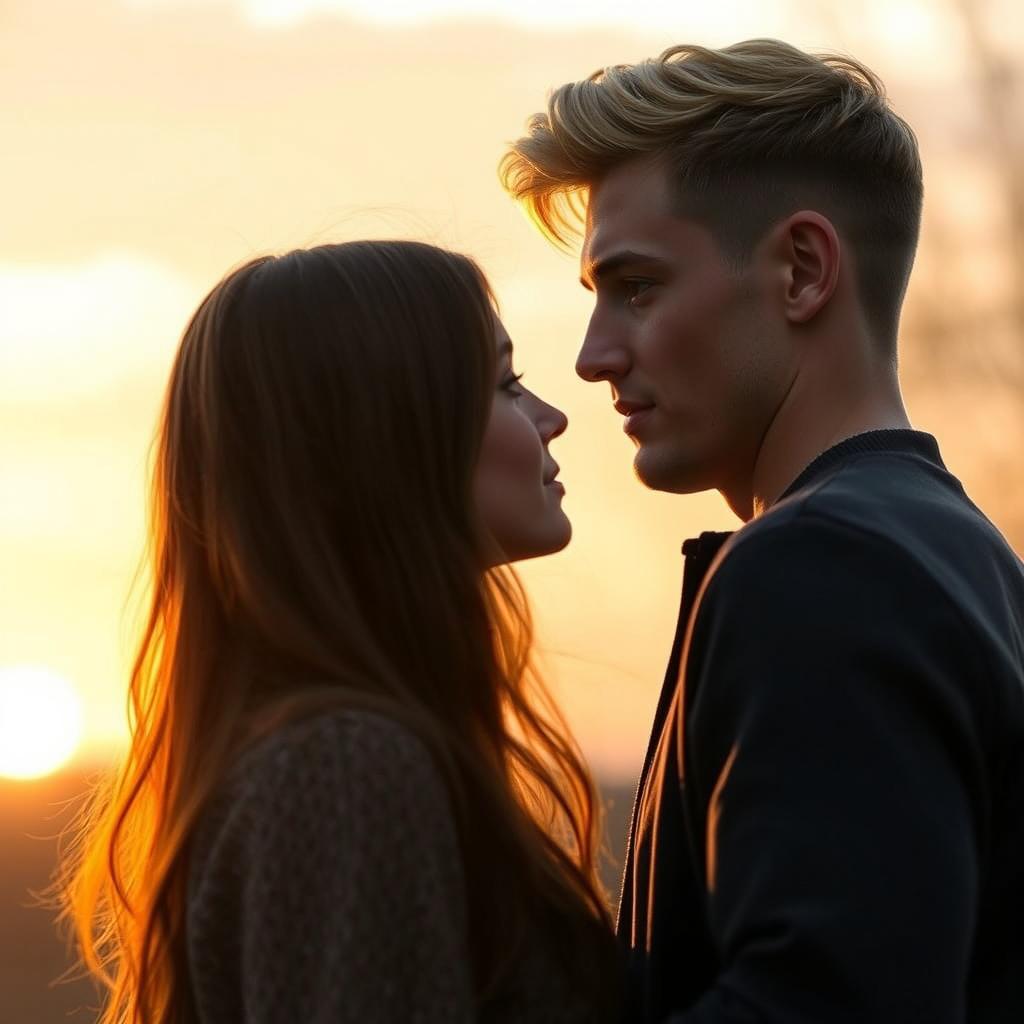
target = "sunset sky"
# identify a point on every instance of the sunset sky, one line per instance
(149, 145)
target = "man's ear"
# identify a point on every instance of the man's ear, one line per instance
(809, 250)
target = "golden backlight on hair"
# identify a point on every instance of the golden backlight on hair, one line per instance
(342, 392)
(746, 135)
(700, 100)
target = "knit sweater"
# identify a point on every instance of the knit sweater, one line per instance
(326, 887)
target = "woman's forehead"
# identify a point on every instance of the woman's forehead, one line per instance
(501, 338)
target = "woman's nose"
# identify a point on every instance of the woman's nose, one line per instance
(548, 420)
(558, 423)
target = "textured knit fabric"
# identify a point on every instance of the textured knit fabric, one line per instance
(326, 888)
(832, 824)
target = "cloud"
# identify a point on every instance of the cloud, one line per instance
(68, 331)
(641, 15)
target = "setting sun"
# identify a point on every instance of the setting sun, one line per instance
(40, 721)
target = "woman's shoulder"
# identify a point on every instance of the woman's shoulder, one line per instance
(326, 879)
(337, 745)
(338, 779)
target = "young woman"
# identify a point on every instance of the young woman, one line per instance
(346, 796)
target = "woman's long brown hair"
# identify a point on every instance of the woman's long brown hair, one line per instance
(313, 544)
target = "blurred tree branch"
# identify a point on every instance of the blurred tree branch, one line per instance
(985, 346)
(963, 325)
(967, 336)
(998, 81)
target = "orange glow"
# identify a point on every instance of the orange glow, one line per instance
(714, 813)
(141, 178)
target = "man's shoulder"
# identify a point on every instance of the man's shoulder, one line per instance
(876, 526)
(833, 512)
(898, 496)
(794, 537)
(893, 505)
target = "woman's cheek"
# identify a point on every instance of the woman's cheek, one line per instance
(509, 471)
(514, 447)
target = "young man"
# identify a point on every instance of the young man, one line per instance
(830, 821)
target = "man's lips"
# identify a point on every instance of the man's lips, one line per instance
(635, 413)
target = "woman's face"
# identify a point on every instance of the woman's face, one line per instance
(517, 495)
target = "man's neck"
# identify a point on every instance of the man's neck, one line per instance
(803, 430)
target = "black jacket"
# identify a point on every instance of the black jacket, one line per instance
(830, 822)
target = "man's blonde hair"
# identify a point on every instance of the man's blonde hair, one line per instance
(747, 134)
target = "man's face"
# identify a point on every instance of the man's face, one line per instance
(695, 350)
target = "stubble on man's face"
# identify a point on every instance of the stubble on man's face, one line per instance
(677, 325)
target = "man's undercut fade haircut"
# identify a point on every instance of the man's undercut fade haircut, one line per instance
(748, 134)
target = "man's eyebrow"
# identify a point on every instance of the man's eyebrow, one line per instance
(596, 269)
(505, 348)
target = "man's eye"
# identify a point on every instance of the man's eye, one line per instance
(635, 288)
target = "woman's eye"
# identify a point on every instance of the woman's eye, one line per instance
(511, 385)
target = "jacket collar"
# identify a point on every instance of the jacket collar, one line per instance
(701, 551)
(898, 441)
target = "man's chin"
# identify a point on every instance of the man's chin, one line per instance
(671, 476)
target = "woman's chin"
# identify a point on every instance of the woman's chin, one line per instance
(552, 541)
(566, 533)
(553, 537)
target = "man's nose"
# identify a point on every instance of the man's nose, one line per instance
(602, 356)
